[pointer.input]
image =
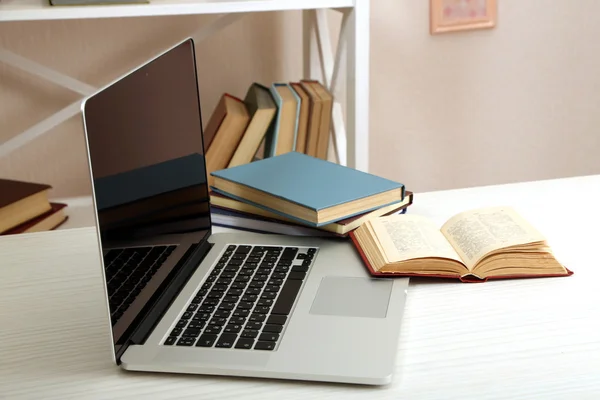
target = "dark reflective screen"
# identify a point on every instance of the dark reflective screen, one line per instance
(145, 142)
(144, 135)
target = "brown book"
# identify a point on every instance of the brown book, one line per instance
(261, 108)
(214, 122)
(45, 222)
(228, 135)
(341, 228)
(322, 142)
(314, 119)
(21, 201)
(302, 117)
(475, 245)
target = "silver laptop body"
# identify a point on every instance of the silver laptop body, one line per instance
(182, 299)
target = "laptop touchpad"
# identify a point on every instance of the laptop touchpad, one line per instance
(352, 297)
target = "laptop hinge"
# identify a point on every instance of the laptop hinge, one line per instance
(160, 305)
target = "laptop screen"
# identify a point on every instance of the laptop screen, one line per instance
(144, 135)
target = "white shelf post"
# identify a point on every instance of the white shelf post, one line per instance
(357, 84)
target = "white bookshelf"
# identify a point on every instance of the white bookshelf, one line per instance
(350, 132)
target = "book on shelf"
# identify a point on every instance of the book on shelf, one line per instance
(314, 118)
(472, 246)
(21, 201)
(303, 116)
(261, 108)
(45, 222)
(320, 146)
(312, 191)
(281, 138)
(237, 214)
(231, 128)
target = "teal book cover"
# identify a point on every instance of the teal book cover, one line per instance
(310, 182)
(298, 104)
(271, 136)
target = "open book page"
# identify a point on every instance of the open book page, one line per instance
(404, 237)
(475, 233)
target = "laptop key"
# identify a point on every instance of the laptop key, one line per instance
(182, 323)
(186, 341)
(253, 291)
(241, 312)
(276, 320)
(196, 324)
(255, 326)
(226, 306)
(286, 298)
(213, 329)
(249, 298)
(299, 268)
(226, 340)
(297, 276)
(272, 328)
(249, 333)
(245, 305)
(218, 321)
(282, 268)
(257, 317)
(268, 337)
(262, 309)
(269, 295)
(232, 328)
(176, 331)
(171, 340)
(237, 320)
(264, 302)
(206, 340)
(271, 288)
(238, 285)
(206, 308)
(221, 313)
(243, 249)
(191, 332)
(264, 345)
(202, 316)
(244, 343)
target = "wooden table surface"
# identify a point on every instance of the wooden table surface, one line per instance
(520, 339)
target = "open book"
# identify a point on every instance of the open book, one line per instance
(475, 245)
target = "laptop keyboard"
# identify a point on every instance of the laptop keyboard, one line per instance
(246, 300)
(128, 270)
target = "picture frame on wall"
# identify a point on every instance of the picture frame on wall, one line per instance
(461, 15)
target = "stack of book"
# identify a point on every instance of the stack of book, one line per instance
(268, 122)
(24, 207)
(297, 194)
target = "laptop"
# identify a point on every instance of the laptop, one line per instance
(184, 299)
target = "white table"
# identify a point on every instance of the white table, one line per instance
(522, 339)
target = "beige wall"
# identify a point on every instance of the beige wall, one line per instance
(518, 102)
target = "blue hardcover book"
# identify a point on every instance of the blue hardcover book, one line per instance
(309, 190)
